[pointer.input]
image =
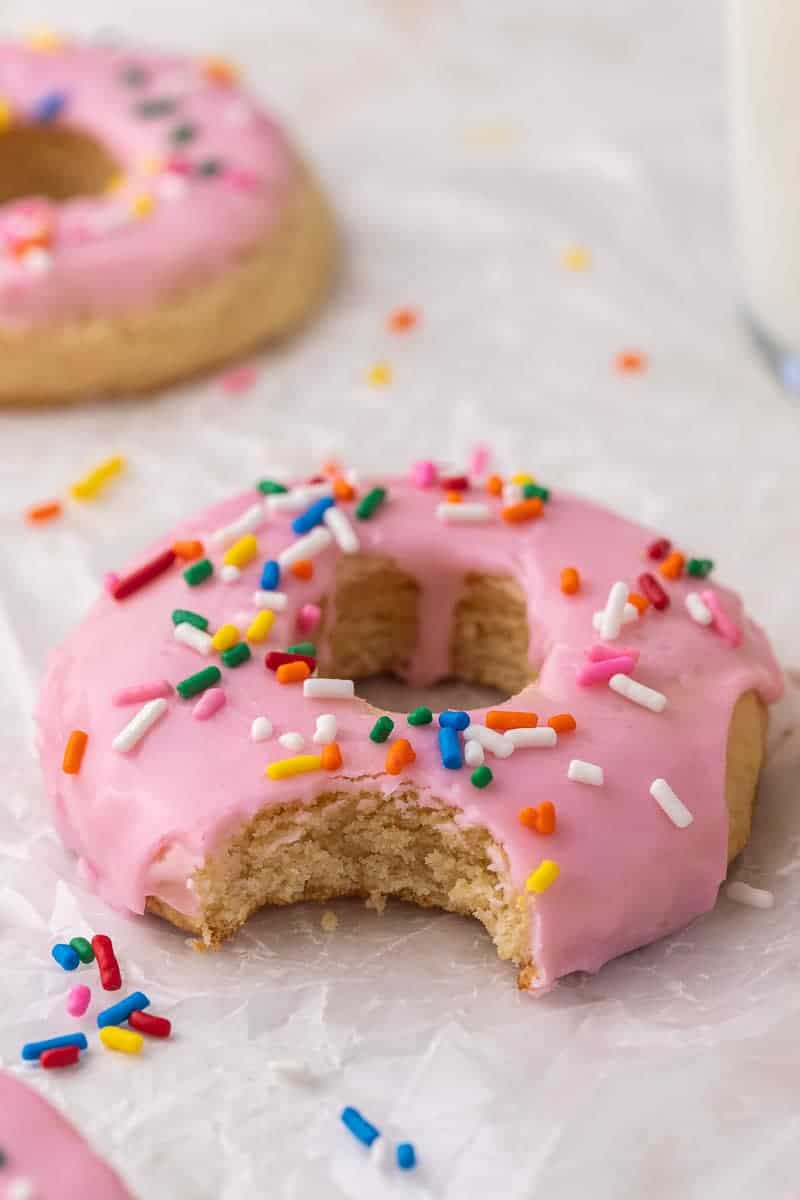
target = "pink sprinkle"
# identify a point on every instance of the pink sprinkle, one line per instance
(78, 1000)
(726, 628)
(243, 181)
(601, 672)
(180, 166)
(239, 379)
(424, 474)
(479, 460)
(308, 618)
(141, 692)
(208, 704)
(599, 653)
(110, 581)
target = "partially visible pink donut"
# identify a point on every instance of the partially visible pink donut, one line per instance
(154, 221)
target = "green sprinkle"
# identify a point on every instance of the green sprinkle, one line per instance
(185, 616)
(368, 504)
(83, 949)
(198, 571)
(270, 487)
(159, 107)
(481, 777)
(237, 655)
(381, 729)
(183, 133)
(209, 168)
(420, 716)
(533, 490)
(302, 648)
(132, 77)
(700, 567)
(194, 684)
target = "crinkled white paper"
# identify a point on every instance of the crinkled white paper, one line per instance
(464, 147)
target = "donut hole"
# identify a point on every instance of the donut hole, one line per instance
(53, 161)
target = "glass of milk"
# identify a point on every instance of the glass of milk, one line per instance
(765, 82)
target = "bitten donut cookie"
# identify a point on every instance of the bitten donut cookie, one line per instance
(42, 1157)
(154, 222)
(218, 759)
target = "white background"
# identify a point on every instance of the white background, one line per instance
(464, 146)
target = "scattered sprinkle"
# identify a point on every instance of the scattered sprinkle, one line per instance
(345, 536)
(424, 474)
(503, 719)
(74, 751)
(576, 258)
(496, 743)
(78, 1000)
(675, 809)
(209, 703)
(194, 684)
(570, 581)
(292, 741)
(725, 627)
(543, 877)
(230, 574)
(242, 552)
(450, 748)
(562, 723)
(302, 569)
(225, 637)
(603, 669)
(236, 655)
(307, 547)
(400, 754)
(743, 893)
(83, 949)
(139, 725)
(196, 639)
(359, 1126)
(66, 957)
(124, 1041)
(481, 777)
(523, 510)
(261, 729)
(529, 739)
(301, 764)
(326, 729)
(473, 753)
(585, 772)
(250, 520)
(37, 514)
(331, 757)
(456, 511)
(107, 965)
(381, 729)
(369, 504)
(260, 626)
(672, 566)
(697, 608)
(379, 374)
(699, 568)
(630, 361)
(188, 549)
(653, 590)
(116, 1013)
(420, 716)
(406, 1156)
(402, 320)
(293, 672)
(198, 572)
(659, 549)
(32, 1051)
(329, 689)
(541, 819)
(150, 1024)
(637, 692)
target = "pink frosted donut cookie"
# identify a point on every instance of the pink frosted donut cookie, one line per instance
(42, 1157)
(230, 765)
(154, 221)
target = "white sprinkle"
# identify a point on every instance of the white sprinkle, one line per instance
(37, 261)
(198, 639)
(293, 742)
(250, 520)
(306, 547)
(512, 494)
(299, 498)
(675, 809)
(230, 573)
(346, 537)
(21, 1188)
(274, 601)
(631, 689)
(291, 1071)
(630, 613)
(490, 739)
(261, 729)
(326, 729)
(614, 611)
(585, 772)
(328, 689)
(455, 514)
(753, 897)
(473, 753)
(543, 736)
(138, 726)
(329, 921)
(698, 609)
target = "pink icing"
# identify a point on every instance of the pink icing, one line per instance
(100, 257)
(41, 1147)
(627, 875)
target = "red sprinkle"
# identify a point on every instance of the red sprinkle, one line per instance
(128, 584)
(454, 483)
(278, 658)
(158, 1027)
(653, 590)
(59, 1056)
(107, 964)
(659, 549)
(401, 320)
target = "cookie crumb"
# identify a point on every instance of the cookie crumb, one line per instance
(329, 921)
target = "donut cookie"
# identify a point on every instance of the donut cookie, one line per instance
(591, 813)
(154, 222)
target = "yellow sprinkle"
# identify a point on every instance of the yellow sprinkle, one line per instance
(241, 552)
(576, 258)
(115, 183)
(220, 70)
(380, 374)
(44, 39)
(543, 877)
(124, 1040)
(261, 625)
(91, 483)
(6, 118)
(225, 637)
(142, 205)
(301, 764)
(151, 165)
(522, 477)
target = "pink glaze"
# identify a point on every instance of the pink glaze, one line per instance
(209, 703)
(141, 692)
(101, 257)
(78, 1000)
(146, 820)
(42, 1148)
(601, 672)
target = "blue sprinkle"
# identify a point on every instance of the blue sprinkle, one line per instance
(270, 575)
(313, 515)
(454, 718)
(49, 107)
(450, 748)
(32, 1050)
(120, 1012)
(359, 1126)
(406, 1156)
(65, 956)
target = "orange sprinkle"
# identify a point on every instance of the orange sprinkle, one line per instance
(672, 566)
(541, 819)
(401, 320)
(639, 602)
(400, 754)
(563, 723)
(630, 360)
(293, 672)
(331, 468)
(454, 497)
(331, 757)
(302, 569)
(525, 510)
(73, 752)
(503, 719)
(494, 485)
(343, 490)
(43, 512)
(188, 550)
(570, 581)
(219, 70)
